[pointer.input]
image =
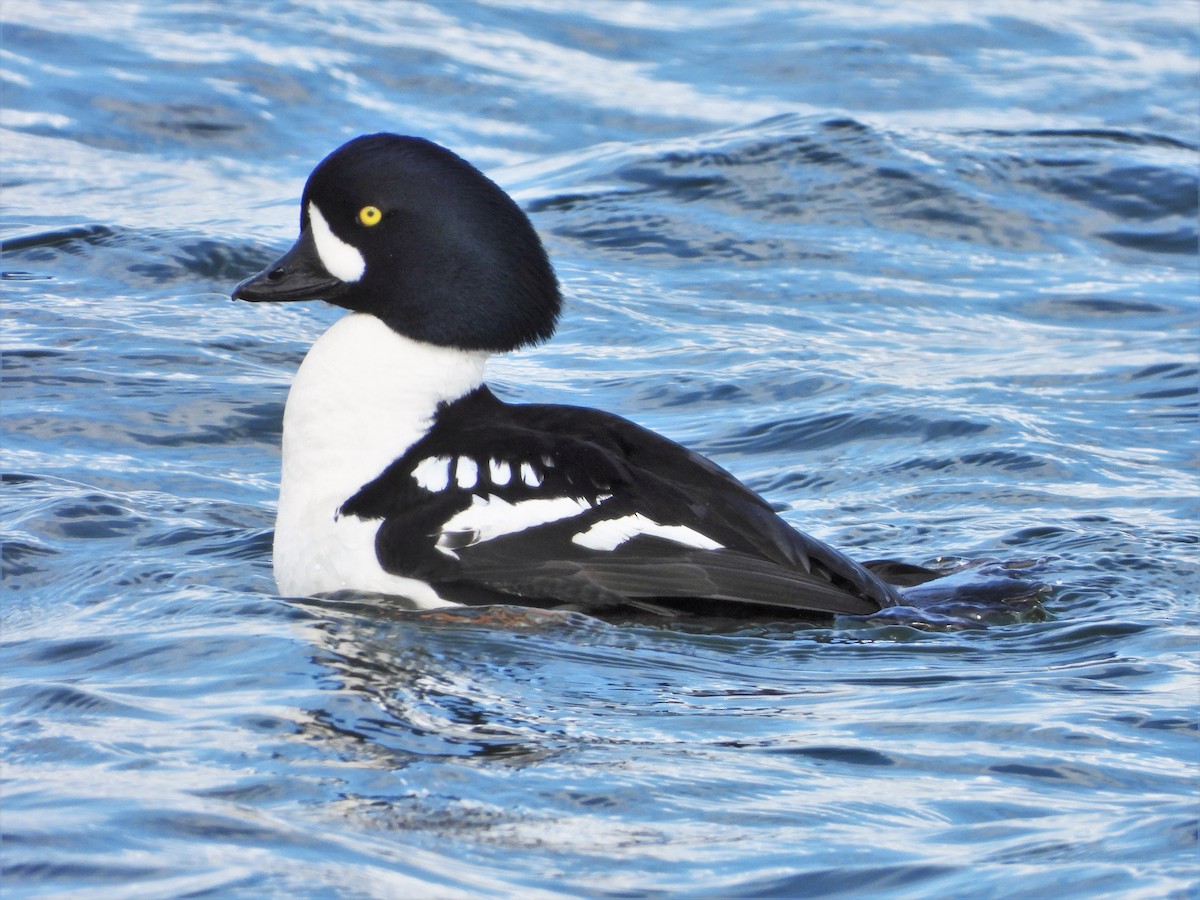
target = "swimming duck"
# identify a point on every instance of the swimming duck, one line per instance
(403, 474)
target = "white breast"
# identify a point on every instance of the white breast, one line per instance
(363, 395)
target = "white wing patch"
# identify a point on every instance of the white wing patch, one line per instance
(492, 517)
(341, 260)
(530, 476)
(433, 473)
(609, 534)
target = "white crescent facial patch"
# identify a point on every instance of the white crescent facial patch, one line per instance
(341, 260)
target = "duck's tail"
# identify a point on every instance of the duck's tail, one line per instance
(963, 594)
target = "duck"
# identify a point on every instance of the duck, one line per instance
(404, 475)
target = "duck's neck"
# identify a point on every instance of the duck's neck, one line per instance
(363, 395)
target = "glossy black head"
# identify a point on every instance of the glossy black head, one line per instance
(403, 229)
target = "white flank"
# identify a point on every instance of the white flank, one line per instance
(341, 260)
(433, 473)
(361, 398)
(490, 517)
(612, 533)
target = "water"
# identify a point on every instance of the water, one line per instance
(924, 274)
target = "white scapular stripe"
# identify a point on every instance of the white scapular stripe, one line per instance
(340, 259)
(609, 534)
(466, 472)
(433, 473)
(491, 517)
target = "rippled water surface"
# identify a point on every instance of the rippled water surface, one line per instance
(923, 274)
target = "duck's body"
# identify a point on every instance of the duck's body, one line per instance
(403, 474)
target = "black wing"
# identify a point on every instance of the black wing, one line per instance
(566, 506)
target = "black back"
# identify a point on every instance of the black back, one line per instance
(617, 469)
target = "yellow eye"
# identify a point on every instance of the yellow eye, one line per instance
(370, 215)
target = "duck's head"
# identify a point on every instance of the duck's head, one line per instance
(402, 229)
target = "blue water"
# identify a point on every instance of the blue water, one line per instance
(924, 274)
